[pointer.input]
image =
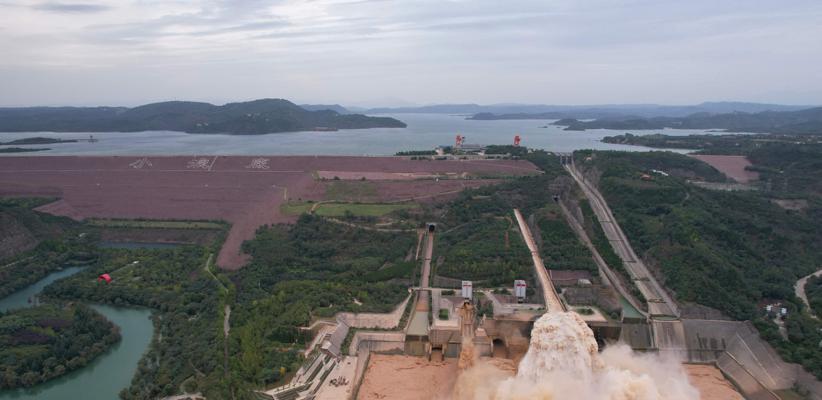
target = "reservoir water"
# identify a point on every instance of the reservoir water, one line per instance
(108, 374)
(424, 131)
(20, 298)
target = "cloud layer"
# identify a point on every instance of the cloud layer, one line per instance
(423, 51)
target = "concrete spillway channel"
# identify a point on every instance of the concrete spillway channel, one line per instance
(659, 302)
(604, 269)
(418, 327)
(428, 252)
(668, 332)
(549, 294)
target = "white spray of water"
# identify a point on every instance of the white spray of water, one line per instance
(563, 363)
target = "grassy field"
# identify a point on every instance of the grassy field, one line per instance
(340, 209)
(123, 223)
(351, 191)
(789, 395)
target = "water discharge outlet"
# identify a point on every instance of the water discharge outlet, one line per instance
(563, 362)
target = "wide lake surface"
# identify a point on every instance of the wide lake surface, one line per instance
(424, 132)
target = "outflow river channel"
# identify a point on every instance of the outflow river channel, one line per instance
(108, 374)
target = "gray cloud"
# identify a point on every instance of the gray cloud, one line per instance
(70, 7)
(351, 51)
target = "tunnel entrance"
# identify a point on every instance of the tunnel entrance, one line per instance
(500, 350)
(436, 354)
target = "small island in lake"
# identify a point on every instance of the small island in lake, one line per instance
(21, 150)
(36, 140)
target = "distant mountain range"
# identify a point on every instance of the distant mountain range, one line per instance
(803, 122)
(542, 111)
(247, 118)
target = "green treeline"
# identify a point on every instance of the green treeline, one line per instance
(481, 239)
(34, 244)
(726, 250)
(309, 270)
(560, 248)
(316, 250)
(41, 343)
(298, 273)
(488, 249)
(416, 153)
(174, 283)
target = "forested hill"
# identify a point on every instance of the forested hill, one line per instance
(803, 122)
(247, 118)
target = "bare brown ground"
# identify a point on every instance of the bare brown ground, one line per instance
(411, 378)
(407, 378)
(245, 191)
(732, 166)
(710, 382)
(794, 205)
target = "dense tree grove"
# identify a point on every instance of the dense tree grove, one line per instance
(301, 272)
(516, 151)
(792, 172)
(298, 273)
(560, 247)
(789, 166)
(186, 298)
(372, 264)
(804, 331)
(33, 244)
(47, 341)
(488, 250)
(481, 239)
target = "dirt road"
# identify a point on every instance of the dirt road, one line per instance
(799, 289)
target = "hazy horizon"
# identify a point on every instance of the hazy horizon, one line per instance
(389, 53)
(405, 104)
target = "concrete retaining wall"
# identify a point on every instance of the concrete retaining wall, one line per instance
(750, 387)
(745, 358)
(374, 320)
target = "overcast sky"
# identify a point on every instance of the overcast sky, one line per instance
(383, 52)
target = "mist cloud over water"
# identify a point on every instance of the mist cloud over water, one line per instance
(563, 362)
